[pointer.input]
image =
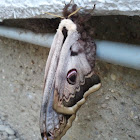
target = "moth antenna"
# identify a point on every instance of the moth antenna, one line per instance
(74, 12)
(54, 15)
(71, 1)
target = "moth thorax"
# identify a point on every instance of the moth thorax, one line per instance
(68, 24)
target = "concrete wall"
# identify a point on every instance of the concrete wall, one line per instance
(112, 113)
(37, 8)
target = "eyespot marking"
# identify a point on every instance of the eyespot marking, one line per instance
(71, 76)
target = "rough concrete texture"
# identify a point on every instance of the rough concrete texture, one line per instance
(10, 9)
(112, 113)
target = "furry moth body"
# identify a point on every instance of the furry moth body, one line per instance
(69, 79)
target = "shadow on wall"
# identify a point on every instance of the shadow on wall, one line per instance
(114, 28)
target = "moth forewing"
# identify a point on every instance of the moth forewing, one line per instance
(50, 70)
(72, 38)
(55, 48)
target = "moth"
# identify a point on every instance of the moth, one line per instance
(69, 75)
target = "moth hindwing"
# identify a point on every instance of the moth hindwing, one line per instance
(69, 77)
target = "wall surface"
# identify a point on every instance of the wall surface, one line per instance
(112, 113)
(36, 8)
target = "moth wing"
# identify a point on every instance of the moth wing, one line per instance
(46, 107)
(62, 99)
(69, 97)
